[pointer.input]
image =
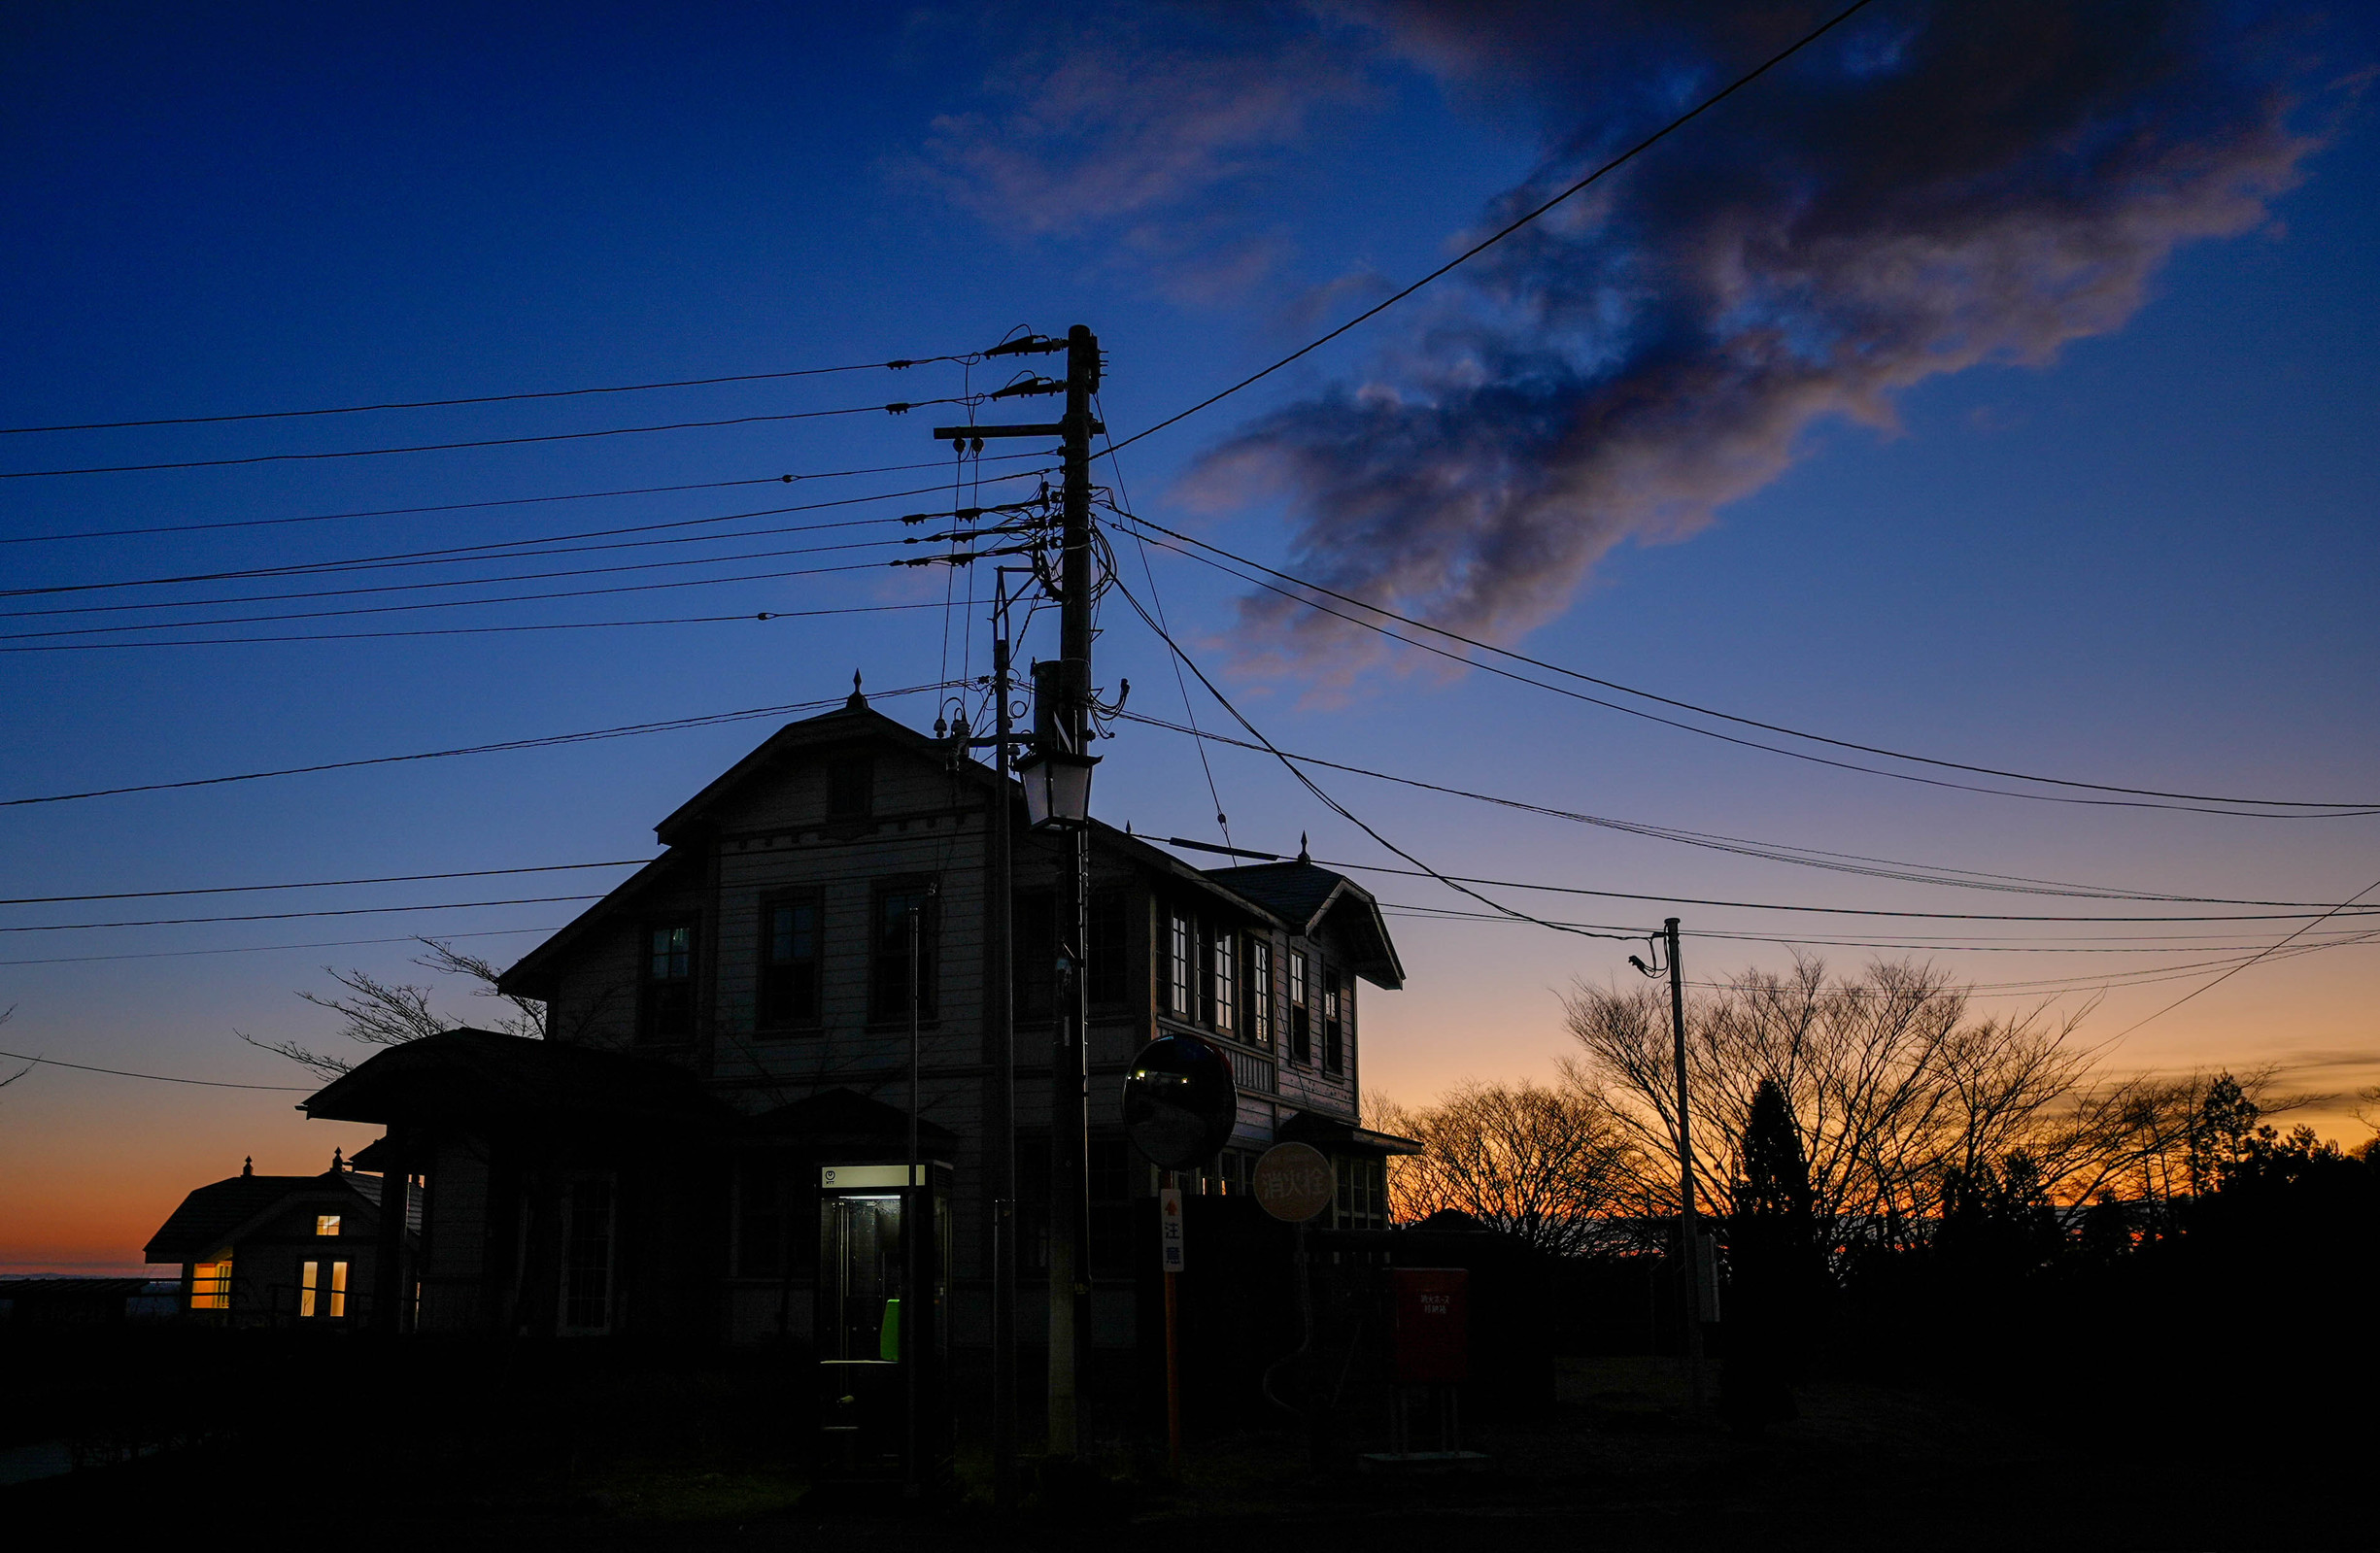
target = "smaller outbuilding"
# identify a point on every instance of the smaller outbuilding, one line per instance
(279, 1250)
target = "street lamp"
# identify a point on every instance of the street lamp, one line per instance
(1056, 789)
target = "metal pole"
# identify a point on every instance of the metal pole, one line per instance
(1689, 1231)
(912, 1234)
(1173, 1353)
(1069, 1116)
(1003, 1086)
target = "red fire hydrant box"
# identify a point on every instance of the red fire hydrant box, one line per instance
(1432, 1325)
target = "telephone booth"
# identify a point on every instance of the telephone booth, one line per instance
(882, 1349)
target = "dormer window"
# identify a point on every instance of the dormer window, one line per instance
(851, 788)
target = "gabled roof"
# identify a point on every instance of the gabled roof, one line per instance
(856, 720)
(1305, 894)
(213, 1216)
(527, 976)
(481, 1078)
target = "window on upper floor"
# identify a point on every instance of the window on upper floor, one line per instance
(851, 788)
(325, 1224)
(896, 900)
(1033, 937)
(790, 950)
(667, 1014)
(1258, 1006)
(1223, 982)
(1181, 964)
(1110, 972)
(1334, 1030)
(1301, 1009)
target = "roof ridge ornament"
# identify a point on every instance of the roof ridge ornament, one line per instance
(247, 1167)
(1304, 855)
(857, 702)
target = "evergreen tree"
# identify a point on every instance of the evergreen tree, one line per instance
(1777, 1268)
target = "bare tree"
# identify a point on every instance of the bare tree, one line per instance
(1891, 1085)
(1541, 1163)
(377, 1013)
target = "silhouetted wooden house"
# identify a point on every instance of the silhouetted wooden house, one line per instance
(693, 1150)
(282, 1250)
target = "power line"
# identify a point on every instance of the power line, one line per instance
(263, 948)
(1515, 226)
(289, 916)
(2343, 906)
(898, 407)
(2186, 801)
(1838, 911)
(1768, 851)
(504, 501)
(1149, 570)
(161, 1078)
(506, 548)
(1336, 807)
(548, 741)
(418, 587)
(464, 630)
(326, 884)
(449, 603)
(484, 398)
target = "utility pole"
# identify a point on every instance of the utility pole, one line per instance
(1689, 1229)
(1062, 717)
(1069, 1208)
(1000, 995)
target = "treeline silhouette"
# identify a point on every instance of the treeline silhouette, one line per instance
(1899, 1192)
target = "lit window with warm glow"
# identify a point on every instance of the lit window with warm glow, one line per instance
(321, 1295)
(211, 1285)
(325, 1224)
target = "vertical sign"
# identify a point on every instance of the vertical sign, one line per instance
(1169, 1218)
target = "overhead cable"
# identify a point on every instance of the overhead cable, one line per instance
(508, 549)
(504, 501)
(1516, 224)
(161, 1078)
(2190, 803)
(897, 408)
(548, 741)
(265, 949)
(1461, 886)
(466, 630)
(1839, 911)
(1767, 851)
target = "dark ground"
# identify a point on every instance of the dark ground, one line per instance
(494, 1448)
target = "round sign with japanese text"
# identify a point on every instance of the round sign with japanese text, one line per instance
(1294, 1182)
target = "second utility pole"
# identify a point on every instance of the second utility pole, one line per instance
(1069, 1269)
(1689, 1231)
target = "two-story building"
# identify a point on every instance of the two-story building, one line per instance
(691, 1151)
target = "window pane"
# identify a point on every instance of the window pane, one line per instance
(892, 953)
(338, 1288)
(1226, 981)
(307, 1277)
(325, 1224)
(789, 964)
(1260, 992)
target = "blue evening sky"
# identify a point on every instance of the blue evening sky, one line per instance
(2149, 561)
